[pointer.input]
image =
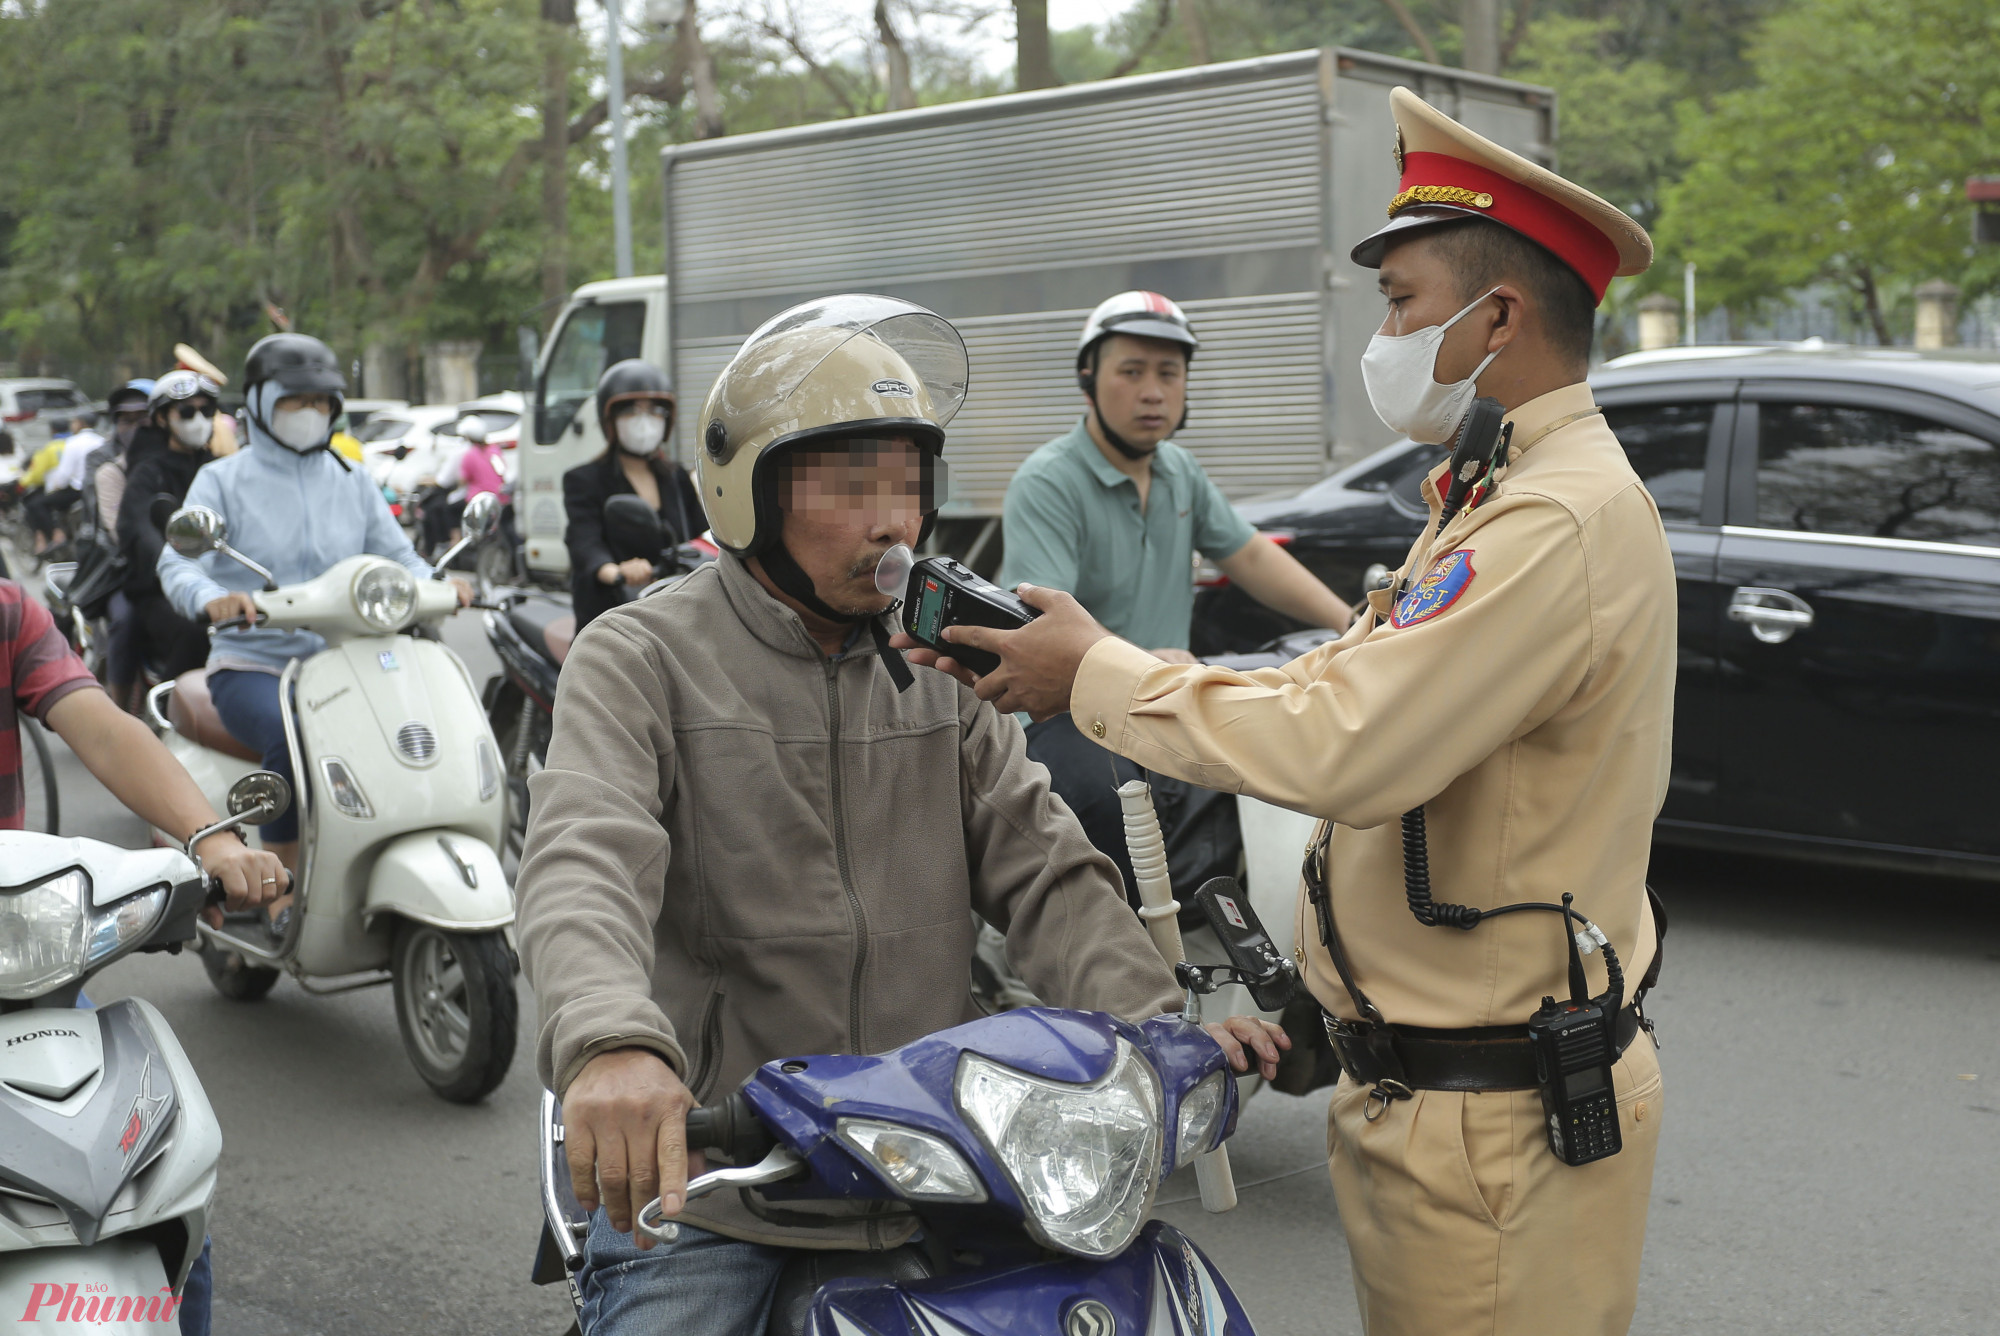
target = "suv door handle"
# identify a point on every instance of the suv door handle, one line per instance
(1773, 615)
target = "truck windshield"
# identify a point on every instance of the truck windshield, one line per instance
(594, 337)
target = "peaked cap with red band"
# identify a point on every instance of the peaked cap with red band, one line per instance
(1450, 173)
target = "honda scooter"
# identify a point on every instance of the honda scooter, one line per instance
(1027, 1147)
(108, 1145)
(401, 811)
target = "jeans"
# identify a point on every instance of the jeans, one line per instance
(1086, 777)
(701, 1284)
(247, 703)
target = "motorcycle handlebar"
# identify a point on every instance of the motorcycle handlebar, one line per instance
(732, 1127)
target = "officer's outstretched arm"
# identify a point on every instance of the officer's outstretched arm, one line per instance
(1492, 640)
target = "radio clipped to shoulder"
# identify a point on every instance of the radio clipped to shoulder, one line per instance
(938, 592)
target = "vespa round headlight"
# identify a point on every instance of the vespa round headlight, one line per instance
(44, 928)
(385, 596)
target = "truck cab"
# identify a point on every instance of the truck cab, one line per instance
(602, 323)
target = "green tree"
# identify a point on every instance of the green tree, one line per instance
(1845, 163)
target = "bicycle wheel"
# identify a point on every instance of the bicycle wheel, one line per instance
(41, 799)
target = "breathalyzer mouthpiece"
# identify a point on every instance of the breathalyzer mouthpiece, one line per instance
(892, 573)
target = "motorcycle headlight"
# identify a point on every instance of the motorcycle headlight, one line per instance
(118, 926)
(42, 934)
(916, 1164)
(385, 596)
(1085, 1159)
(1201, 1117)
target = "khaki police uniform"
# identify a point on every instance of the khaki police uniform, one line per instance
(1522, 693)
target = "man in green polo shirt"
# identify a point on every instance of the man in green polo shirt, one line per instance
(1113, 512)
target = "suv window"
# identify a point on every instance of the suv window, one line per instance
(593, 338)
(1875, 473)
(1668, 447)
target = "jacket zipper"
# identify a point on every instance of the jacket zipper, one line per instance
(711, 1043)
(854, 1035)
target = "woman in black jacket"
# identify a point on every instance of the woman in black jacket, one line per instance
(635, 410)
(161, 462)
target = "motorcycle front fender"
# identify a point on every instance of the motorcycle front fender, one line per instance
(444, 878)
(117, 1287)
(1162, 1286)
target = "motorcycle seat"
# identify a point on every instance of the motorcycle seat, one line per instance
(192, 713)
(546, 624)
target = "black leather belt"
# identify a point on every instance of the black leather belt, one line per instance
(1493, 1057)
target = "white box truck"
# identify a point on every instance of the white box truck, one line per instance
(1236, 189)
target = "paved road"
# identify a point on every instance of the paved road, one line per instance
(1831, 1159)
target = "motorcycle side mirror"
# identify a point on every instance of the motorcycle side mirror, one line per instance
(260, 797)
(481, 518)
(193, 530)
(257, 799)
(632, 529)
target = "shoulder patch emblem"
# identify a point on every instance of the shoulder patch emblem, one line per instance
(1449, 576)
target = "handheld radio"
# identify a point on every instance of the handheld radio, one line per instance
(937, 592)
(1574, 1047)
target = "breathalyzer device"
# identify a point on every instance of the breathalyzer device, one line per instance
(937, 592)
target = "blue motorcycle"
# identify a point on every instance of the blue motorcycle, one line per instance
(1029, 1147)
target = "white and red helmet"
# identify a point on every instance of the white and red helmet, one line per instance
(1145, 315)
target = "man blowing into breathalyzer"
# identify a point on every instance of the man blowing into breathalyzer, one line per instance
(1491, 737)
(760, 835)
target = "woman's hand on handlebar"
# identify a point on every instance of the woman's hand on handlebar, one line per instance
(637, 572)
(230, 607)
(625, 1131)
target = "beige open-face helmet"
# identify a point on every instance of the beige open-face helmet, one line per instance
(852, 367)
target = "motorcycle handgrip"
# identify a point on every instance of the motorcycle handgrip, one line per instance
(732, 1127)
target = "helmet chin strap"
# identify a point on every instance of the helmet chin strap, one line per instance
(788, 575)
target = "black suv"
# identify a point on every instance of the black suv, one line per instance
(1834, 516)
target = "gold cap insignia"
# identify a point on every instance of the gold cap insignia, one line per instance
(1399, 150)
(1470, 199)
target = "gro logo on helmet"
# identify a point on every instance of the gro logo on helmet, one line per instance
(1090, 1318)
(890, 385)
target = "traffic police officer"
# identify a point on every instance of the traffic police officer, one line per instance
(1516, 683)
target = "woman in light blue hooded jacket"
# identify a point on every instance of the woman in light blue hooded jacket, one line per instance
(296, 508)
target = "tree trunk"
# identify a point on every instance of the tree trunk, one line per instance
(897, 57)
(1871, 304)
(701, 66)
(1480, 22)
(1034, 63)
(560, 16)
(1196, 28)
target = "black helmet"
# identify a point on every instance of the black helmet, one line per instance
(633, 378)
(298, 363)
(133, 396)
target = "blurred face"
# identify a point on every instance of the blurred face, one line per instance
(1141, 388)
(845, 505)
(126, 422)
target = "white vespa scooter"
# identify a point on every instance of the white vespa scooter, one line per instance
(400, 810)
(108, 1145)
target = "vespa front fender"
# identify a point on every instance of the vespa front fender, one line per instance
(445, 878)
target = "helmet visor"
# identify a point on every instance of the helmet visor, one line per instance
(924, 340)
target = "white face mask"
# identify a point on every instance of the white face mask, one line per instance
(192, 432)
(640, 432)
(300, 429)
(1399, 372)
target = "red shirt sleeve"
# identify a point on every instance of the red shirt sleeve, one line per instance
(45, 668)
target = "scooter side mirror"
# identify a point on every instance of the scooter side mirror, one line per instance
(481, 518)
(193, 530)
(261, 797)
(632, 529)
